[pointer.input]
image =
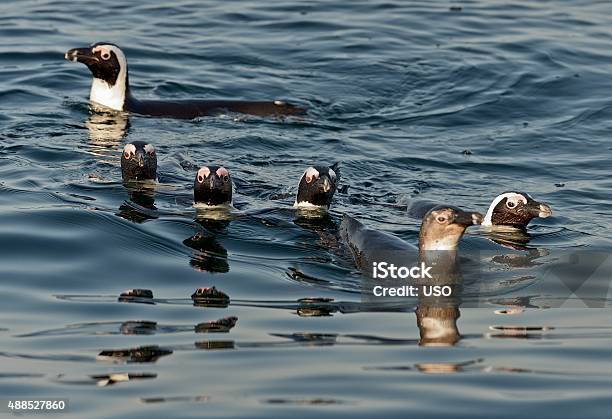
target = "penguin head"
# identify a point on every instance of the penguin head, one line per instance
(443, 226)
(212, 186)
(138, 162)
(108, 66)
(515, 209)
(317, 187)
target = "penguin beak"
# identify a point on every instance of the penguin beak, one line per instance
(326, 184)
(82, 55)
(466, 218)
(214, 182)
(538, 209)
(139, 158)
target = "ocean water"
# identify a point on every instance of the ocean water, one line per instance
(448, 101)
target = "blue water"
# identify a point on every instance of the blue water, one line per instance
(446, 101)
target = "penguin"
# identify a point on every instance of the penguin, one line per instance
(317, 187)
(111, 89)
(212, 198)
(212, 186)
(441, 229)
(139, 162)
(509, 209)
(514, 209)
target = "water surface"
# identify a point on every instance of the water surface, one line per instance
(447, 101)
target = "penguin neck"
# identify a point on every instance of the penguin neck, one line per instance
(435, 249)
(113, 96)
(448, 243)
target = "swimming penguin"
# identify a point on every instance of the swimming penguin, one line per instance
(514, 209)
(212, 186)
(509, 209)
(317, 187)
(139, 162)
(441, 229)
(110, 88)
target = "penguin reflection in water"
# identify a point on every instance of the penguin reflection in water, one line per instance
(139, 173)
(106, 130)
(212, 198)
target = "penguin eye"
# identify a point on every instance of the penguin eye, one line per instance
(127, 154)
(200, 178)
(225, 178)
(441, 219)
(311, 174)
(511, 204)
(149, 149)
(105, 53)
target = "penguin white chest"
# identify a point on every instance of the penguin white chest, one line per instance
(442, 243)
(106, 95)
